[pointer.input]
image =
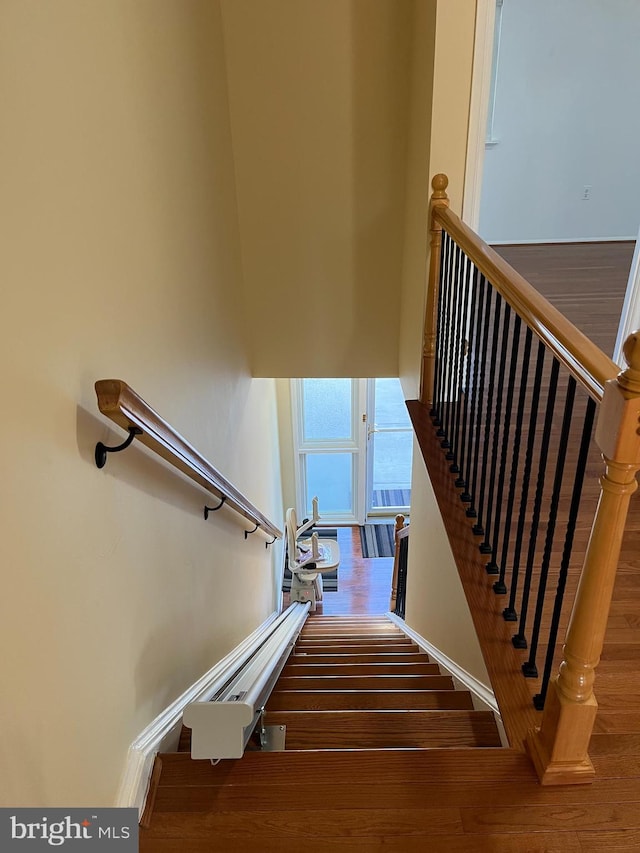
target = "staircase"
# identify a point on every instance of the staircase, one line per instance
(359, 683)
(373, 731)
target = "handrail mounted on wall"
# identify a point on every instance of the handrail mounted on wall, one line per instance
(124, 407)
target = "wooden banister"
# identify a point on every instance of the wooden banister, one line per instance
(585, 361)
(400, 531)
(124, 407)
(559, 748)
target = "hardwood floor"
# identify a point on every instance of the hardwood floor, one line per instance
(586, 281)
(364, 584)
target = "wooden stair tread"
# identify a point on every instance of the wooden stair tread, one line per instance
(356, 644)
(349, 636)
(382, 657)
(377, 792)
(365, 682)
(316, 700)
(354, 766)
(359, 669)
(385, 729)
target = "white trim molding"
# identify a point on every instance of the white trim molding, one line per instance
(163, 733)
(483, 697)
(630, 317)
(481, 80)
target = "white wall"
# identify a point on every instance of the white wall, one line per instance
(120, 258)
(566, 117)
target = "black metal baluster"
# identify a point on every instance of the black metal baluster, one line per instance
(442, 333)
(489, 426)
(472, 380)
(442, 330)
(480, 283)
(451, 354)
(492, 566)
(500, 587)
(519, 640)
(509, 613)
(438, 343)
(446, 361)
(581, 466)
(482, 369)
(529, 668)
(462, 426)
(454, 468)
(401, 590)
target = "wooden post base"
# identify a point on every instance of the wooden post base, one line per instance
(559, 748)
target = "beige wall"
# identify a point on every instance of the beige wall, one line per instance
(318, 98)
(436, 603)
(120, 258)
(440, 93)
(442, 59)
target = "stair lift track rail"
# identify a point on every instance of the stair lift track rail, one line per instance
(222, 726)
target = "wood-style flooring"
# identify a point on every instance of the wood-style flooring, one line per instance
(585, 281)
(364, 583)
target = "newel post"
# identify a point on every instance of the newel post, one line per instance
(439, 198)
(396, 562)
(559, 748)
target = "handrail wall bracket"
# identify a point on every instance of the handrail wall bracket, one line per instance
(102, 450)
(209, 509)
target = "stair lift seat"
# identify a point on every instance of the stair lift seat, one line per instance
(308, 558)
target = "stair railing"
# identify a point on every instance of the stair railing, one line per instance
(400, 565)
(124, 407)
(513, 387)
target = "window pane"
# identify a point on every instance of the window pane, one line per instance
(391, 410)
(330, 477)
(326, 407)
(392, 468)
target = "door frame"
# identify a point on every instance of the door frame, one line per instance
(370, 511)
(356, 446)
(481, 80)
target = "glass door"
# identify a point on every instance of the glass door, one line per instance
(389, 449)
(330, 439)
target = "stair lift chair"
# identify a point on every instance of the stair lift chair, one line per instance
(308, 558)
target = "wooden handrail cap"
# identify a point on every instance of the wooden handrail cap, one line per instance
(629, 378)
(439, 182)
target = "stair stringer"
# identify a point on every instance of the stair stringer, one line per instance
(482, 696)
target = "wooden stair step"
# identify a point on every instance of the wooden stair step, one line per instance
(357, 644)
(385, 729)
(345, 628)
(343, 636)
(368, 649)
(299, 657)
(317, 619)
(295, 668)
(365, 682)
(262, 769)
(335, 700)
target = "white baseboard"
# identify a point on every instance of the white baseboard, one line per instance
(482, 696)
(163, 733)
